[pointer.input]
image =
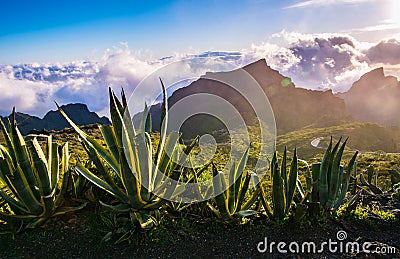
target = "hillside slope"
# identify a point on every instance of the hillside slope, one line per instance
(53, 120)
(294, 108)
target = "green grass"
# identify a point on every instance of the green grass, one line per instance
(365, 137)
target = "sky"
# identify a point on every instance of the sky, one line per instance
(321, 44)
(54, 31)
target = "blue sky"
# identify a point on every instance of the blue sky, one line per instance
(57, 31)
(72, 51)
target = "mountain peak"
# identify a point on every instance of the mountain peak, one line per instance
(75, 107)
(293, 107)
(262, 63)
(374, 98)
(78, 112)
(375, 73)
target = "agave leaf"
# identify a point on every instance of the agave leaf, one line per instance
(80, 169)
(255, 194)
(146, 122)
(293, 176)
(370, 173)
(95, 157)
(245, 181)
(376, 178)
(363, 181)
(185, 158)
(323, 176)
(336, 174)
(331, 161)
(231, 189)
(351, 165)
(164, 164)
(67, 177)
(6, 169)
(300, 188)
(214, 210)
(245, 213)
(54, 166)
(309, 180)
(145, 164)
(41, 166)
(241, 183)
(25, 192)
(156, 204)
(219, 187)
(267, 207)
(121, 207)
(300, 212)
(59, 198)
(103, 153)
(352, 201)
(117, 113)
(64, 209)
(163, 125)
(145, 221)
(7, 136)
(15, 205)
(345, 185)
(109, 137)
(131, 184)
(127, 118)
(278, 192)
(12, 217)
(22, 159)
(342, 195)
(375, 189)
(65, 169)
(284, 173)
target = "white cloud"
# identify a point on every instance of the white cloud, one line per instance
(27, 96)
(326, 61)
(316, 61)
(386, 25)
(386, 52)
(317, 3)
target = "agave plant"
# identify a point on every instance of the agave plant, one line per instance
(80, 188)
(283, 187)
(396, 192)
(230, 202)
(394, 177)
(191, 175)
(34, 181)
(372, 181)
(330, 180)
(128, 169)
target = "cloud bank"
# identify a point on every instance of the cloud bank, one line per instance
(314, 61)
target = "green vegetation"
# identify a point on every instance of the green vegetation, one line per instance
(365, 137)
(128, 171)
(283, 187)
(230, 201)
(396, 192)
(2, 139)
(372, 181)
(132, 180)
(32, 190)
(330, 179)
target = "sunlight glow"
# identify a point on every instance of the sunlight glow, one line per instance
(393, 11)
